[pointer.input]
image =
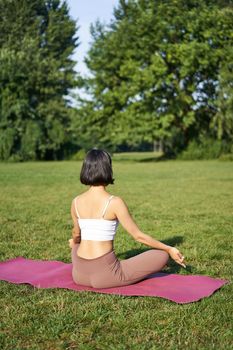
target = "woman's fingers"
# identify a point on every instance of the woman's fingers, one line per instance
(71, 242)
(183, 265)
(181, 262)
(180, 259)
(180, 255)
(177, 256)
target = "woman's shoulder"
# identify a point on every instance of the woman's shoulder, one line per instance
(119, 206)
(114, 199)
(78, 197)
(118, 201)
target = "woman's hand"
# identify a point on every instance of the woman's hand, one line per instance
(176, 256)
(71, 243)
(76, 235)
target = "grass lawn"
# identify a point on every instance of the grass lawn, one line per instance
(183, 203)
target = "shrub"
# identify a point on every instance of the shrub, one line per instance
(80, 155)
(226, 157)
(6, 143)
(205, 148)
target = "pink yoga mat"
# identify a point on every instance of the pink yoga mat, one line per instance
(57, 274)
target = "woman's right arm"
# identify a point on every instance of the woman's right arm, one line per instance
(131, 227)
(76, 233)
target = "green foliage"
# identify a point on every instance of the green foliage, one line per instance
(226, 157)
(159, 72)
(80, 155)
(36, 43)
(206, 148)
(30, 141)
(6, 143)
(223, 119)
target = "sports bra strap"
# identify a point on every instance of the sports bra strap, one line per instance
(106, 206)
(104, 211)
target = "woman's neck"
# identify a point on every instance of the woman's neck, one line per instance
(97, 189)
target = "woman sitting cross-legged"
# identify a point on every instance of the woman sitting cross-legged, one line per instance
(96, 215)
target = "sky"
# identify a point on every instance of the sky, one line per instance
(87, 12)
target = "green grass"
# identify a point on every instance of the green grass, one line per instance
(185, 203)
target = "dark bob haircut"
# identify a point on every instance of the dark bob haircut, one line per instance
(97, 168)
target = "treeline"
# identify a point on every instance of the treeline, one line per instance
(37, 38)
(161, 73)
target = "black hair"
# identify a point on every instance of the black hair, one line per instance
(97, 168)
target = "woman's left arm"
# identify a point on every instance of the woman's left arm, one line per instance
(131, 227)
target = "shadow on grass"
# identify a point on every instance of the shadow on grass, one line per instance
(145, 159)
(173, 241)
(173, 267)
(155, 159)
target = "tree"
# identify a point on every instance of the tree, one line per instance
(222, 122)
(156, 73)
(37, 73)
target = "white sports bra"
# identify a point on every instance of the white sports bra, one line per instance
(97, 229)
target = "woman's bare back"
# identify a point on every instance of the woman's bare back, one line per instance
(90, 205)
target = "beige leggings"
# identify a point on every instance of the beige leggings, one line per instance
(107, 271)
